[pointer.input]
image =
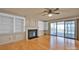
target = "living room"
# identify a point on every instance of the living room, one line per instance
(39, 28)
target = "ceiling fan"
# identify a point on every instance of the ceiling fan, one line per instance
(50, 11)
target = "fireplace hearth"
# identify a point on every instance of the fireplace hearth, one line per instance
(32, 33)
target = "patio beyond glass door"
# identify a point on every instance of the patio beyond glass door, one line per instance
(70, 29)
(63, 29)
(60, 29)
(53, 29)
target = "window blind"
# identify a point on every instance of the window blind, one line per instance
(11, 24)
(6, 24)
(19, 25)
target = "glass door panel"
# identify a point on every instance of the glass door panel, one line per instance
(53, 28)
(70, 29)
(60, 29)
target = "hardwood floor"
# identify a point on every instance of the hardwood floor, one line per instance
(43, 43)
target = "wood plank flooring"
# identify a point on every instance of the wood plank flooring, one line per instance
(43, 43)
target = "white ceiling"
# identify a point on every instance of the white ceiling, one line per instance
(36, 12)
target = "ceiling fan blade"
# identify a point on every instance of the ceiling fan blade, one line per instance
(56, 13)
(56, 9)
(44, 14)
(44, 11)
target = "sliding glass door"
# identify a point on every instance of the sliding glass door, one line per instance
(53, 29)
(63, 29)
(70, 29)
(60, 29)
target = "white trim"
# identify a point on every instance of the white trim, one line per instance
(10, 15)
(6, 14)
(24, 25)
(14, 25)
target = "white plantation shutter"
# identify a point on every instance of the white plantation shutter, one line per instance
(11, 24)
(19, 25)
(6, 24)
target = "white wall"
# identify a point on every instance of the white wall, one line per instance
(8, 38)
(40, 28)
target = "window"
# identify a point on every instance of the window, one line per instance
(19, 25)
(11, 24)
(6, 24)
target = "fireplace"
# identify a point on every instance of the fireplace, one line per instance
(32, 33)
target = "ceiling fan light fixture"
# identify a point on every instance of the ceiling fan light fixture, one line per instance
(50, 15)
